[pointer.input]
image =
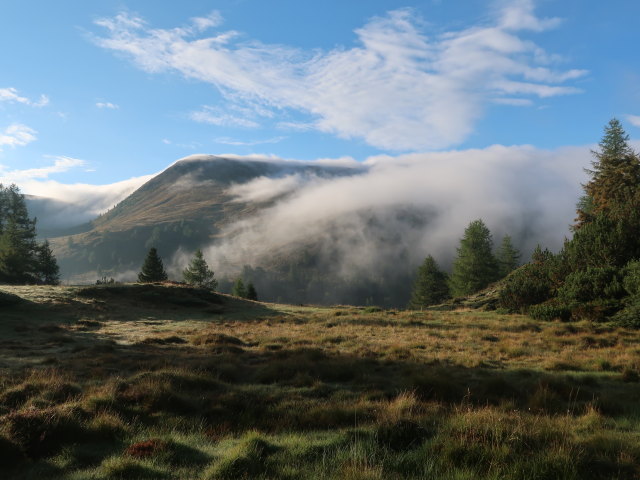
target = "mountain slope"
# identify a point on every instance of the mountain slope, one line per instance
(187, 206)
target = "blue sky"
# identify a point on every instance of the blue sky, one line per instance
(99, 92)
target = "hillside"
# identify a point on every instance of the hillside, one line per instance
(185, 207)
(215, 203)
(166, 381)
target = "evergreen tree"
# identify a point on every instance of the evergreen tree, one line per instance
(239, 289)
(18, 246)
(251, 292)
(47, 265)
(475, 266)
(430, 286)
(615, 174)
(508, 257)
(152, 269)
(198, 272)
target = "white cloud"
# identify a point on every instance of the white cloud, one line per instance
(526, 192)
(60, 164)
(79, 202)
(108, 105)
(214, 19)
(11, 95)
(17, 135)
(634, 120)
(216, 116)
(514, 102)
(240, 143)
(518, 15)
(401, 88)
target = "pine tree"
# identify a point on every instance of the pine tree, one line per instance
(47, 265)
(18, 246)
(507, 256)
(152, 269)
(615, 174)
(198, 272)
(430, 286)
(251, 292)
(239, 289)
(475, 266)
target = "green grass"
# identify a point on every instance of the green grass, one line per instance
(146, 382)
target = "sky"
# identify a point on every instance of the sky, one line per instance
(110, 92)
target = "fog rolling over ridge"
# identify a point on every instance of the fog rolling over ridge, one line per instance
(332, 231)
(382, 221)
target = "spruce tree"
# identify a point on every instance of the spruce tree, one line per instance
(48, 269)
(152, 269)
(475, 266)
(251, 292)
(198, 272)
(18, 246)
(507, 256)
(430, 287)
(239, 289)
(615, 174)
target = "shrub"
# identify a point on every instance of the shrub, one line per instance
(590, 284)
(629, 316)
(528, 285)
(596, 311)
(631, 280)
(550, 310)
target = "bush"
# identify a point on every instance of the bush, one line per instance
(631, 280)
(596, 311)
(590, 284)
(550, 311)
(629, 316)
(528, 285)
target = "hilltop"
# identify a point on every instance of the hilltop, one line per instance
(167, 381)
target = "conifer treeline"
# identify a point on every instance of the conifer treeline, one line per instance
(475, 267)
(596, 275)
(22, 259)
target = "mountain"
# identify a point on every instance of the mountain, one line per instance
(199, 201)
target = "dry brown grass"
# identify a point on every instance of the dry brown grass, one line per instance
(471, 389)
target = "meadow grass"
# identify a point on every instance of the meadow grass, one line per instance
(163, 381)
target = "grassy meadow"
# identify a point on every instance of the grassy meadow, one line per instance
(171, 382)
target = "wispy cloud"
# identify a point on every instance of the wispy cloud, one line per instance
(217, 116)
(11, 95)
(240, 143)
(108, 105)
(17, 135)
(401, 88)
(634, 120)
(190, 146)
(60, 164)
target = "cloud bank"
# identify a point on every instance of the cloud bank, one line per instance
(73, 204)
(79, 202)
(402, 87)
(399, 209)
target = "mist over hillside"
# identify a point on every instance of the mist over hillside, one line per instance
(326, 232)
